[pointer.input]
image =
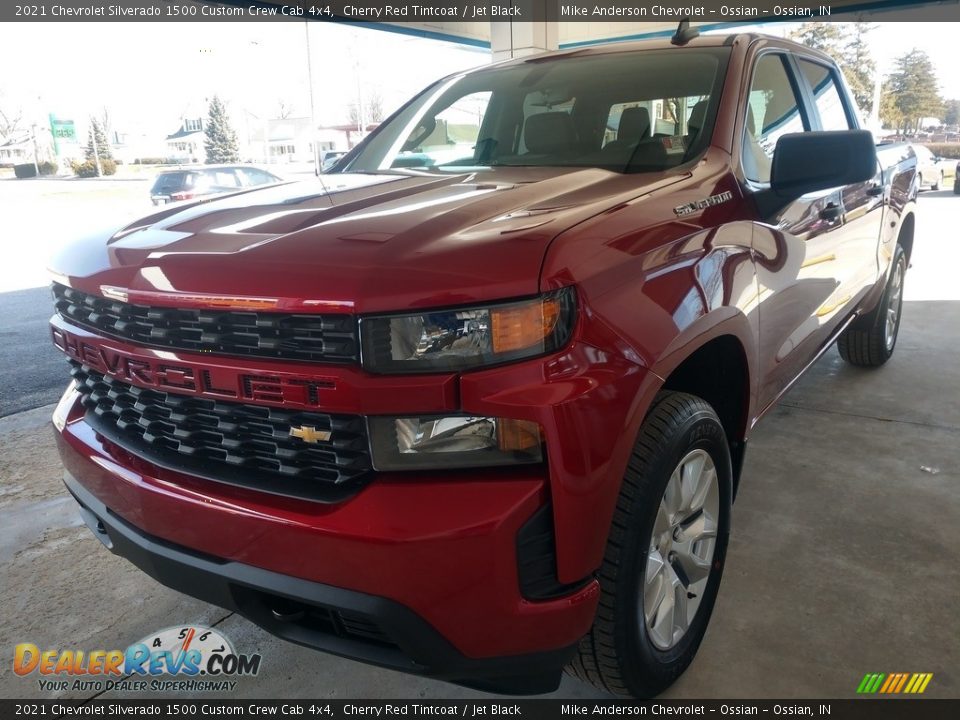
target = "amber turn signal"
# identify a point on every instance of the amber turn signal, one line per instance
(516, 327)
(517, 434)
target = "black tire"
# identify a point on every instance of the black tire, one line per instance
(956, 185)
(938, 183)
(867, 342)
(618, 655)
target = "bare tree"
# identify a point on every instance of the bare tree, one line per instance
(106, 124)
(11, 115)
(284, 109)
(372, 110)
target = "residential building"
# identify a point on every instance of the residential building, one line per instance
(186, 144)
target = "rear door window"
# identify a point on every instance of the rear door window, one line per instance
(826, 94)
(223, 178)
(171, 182)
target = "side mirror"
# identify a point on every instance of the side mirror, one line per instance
(810, 161)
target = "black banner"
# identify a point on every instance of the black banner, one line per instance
(855, 709)
(402, 11)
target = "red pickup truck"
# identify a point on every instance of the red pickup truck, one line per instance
(475, 404)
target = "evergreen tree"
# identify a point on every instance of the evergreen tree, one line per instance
(847, 44)
(951, 115)
(221, 139)
(858, 66)
(827, 37)
(914, 92)
(890, 113)
(98, 136)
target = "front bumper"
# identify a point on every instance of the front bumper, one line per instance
(419, 576)
(343, 622)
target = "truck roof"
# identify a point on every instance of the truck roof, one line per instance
(662, 43)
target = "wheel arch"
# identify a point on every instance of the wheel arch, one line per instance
(906, 233)
(718, 371)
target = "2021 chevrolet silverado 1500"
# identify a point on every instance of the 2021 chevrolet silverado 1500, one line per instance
(476, 406)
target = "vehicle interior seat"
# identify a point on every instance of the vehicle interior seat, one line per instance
(695, 124)
(634, 126)
(756, 162)
(549, 133)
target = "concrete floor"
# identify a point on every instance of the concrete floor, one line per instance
(845, 555)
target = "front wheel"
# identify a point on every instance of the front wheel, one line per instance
(869, 342)
(938, 182)
(665, 554)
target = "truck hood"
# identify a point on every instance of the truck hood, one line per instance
(360, 243)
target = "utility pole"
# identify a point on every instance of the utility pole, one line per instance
(36, 165)
(360, 108)
(874, 123)
(313, 116)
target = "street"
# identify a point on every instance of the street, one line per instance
(39, 217)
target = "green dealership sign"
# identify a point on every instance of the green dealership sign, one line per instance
(63, 131)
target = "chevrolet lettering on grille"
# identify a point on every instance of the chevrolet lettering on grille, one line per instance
(178, 376)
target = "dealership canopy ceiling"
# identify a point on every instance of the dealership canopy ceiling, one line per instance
(566, 34)
(574, 34)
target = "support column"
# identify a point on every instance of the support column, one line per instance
(519, 39)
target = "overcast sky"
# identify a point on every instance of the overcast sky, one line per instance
(148, 74)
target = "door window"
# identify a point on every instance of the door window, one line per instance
(773, 110)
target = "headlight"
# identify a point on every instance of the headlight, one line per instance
(458, 339)
(458, 441)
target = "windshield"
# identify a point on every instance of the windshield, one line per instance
(624, 111)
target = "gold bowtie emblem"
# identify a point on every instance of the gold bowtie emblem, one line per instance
(309, 434)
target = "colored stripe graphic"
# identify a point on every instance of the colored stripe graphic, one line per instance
(871, 683)
(893, 683)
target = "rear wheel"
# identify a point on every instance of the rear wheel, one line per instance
(665, 555)
(869, 342)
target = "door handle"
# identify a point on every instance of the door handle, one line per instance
(875, 190)
(831, 212)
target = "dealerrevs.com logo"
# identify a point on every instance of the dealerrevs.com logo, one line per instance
(186, 658)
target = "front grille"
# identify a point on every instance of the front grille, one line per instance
(315, 338)
(235, 443)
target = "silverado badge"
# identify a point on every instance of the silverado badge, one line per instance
(693, 207)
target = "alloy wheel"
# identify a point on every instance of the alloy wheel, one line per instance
(681, 550)
(894, 303)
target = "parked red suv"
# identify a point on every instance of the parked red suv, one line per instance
(475, 405)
